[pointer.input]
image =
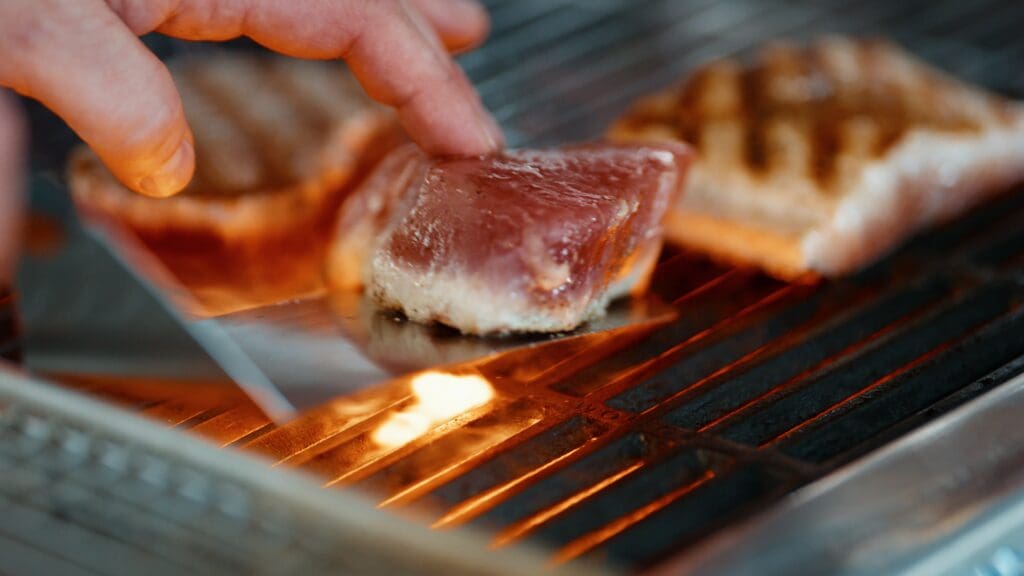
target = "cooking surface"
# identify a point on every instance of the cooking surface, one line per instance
(630, 449)
(633, 450)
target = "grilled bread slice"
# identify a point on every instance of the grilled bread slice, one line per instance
(818, 159)
(279, 143)
(277, 140)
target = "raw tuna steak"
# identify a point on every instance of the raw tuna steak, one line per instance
(524, 241)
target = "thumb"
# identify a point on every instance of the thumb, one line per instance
(83, 63)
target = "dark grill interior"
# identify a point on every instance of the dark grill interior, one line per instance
(630, 450)
(8, 342)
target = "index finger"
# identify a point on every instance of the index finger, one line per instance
(395, 55)
(400, 62)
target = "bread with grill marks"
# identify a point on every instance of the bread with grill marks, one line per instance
(818, 159)
(277, 142)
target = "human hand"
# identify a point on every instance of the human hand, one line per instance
(82, 58)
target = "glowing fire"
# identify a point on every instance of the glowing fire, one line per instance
(439, 398)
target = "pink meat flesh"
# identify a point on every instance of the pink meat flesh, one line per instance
(525, 241)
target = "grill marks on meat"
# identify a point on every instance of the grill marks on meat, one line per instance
(785, 141)
(537, 240)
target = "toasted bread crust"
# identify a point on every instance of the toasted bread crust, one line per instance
(736, 243)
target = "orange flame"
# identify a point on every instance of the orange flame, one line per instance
(439, 397)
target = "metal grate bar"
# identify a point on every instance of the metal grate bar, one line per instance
(871, 17)
(506, 53)
(632, 492)
(577, 47)
(433, 463)
(705, 312)
(935, 16)
(711, 505)
(509, 16)
(727, 33)
(764, 421)
(961, 395)
(233, 425)
(839, 430)
(618, 55)
(622, 455)
(540, 450)
(975, 13)
(701, 402)
(296, 442)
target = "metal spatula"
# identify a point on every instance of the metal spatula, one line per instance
(96, 302)
(85, 311)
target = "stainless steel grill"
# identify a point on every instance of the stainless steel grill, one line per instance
(631, 450)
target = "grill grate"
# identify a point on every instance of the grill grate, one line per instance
(635, 451)
(636, 448)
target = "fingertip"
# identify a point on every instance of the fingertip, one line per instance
(452, 130)
(450, 119)
(114, 93)
(494, 132)
(173, 175)
(475, 28)
(474, 129)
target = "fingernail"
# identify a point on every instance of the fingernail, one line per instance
(492, 132)
(472, 9)
(493, 136)
(174, 175)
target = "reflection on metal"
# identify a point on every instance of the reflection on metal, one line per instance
(320, 348)
(440, 397)
(88, 309)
